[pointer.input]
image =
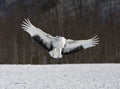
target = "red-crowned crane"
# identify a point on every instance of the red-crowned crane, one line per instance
(58, 45)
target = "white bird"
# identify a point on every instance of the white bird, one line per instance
(58, 45)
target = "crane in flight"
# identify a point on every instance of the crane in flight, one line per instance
(57, 45)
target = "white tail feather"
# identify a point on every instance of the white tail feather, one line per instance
(56, 53)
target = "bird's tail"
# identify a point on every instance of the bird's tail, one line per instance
(55, 53)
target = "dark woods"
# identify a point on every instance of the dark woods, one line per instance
(75, 19)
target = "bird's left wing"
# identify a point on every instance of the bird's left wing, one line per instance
(41, 37)
(72, 46)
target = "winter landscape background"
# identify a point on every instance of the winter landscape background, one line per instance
(77, 19)
(78, 76)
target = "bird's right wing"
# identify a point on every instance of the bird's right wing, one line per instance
(73, 46)
(41, 37)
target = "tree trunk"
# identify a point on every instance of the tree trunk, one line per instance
(60, 16)
(15, 48)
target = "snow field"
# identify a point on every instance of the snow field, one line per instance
(69, 76)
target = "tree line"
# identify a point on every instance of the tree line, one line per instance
(75, 19)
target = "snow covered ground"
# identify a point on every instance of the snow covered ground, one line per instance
(74, 76)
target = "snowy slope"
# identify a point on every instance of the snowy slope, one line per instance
(78, 76)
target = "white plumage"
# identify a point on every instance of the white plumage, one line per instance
(57, 46)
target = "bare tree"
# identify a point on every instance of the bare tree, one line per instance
(60, 15)
(15, 48)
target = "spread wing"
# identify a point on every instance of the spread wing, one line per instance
(72, 46)
(41, 37)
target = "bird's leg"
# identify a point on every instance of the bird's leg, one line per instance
(60, 55)
(54, 52)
